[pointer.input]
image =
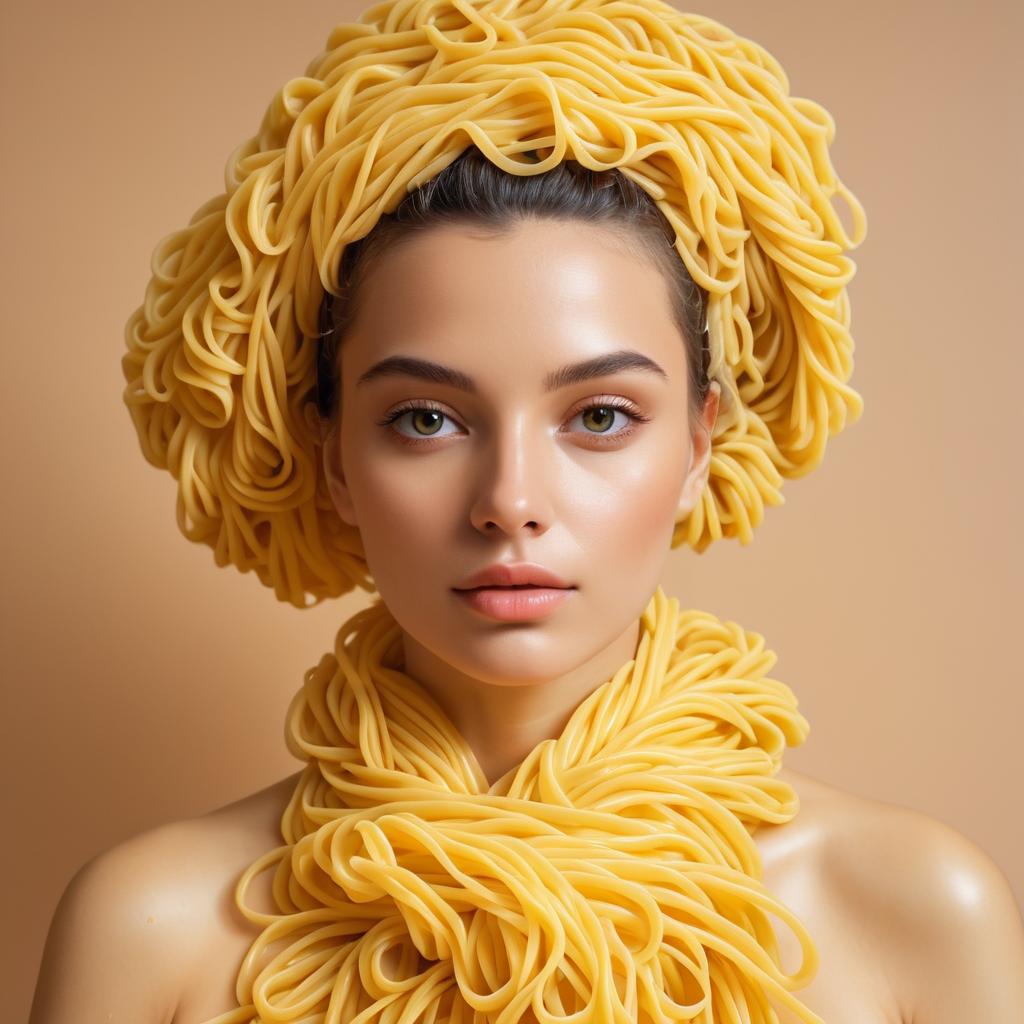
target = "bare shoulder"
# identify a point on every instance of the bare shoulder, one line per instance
(200, 858)
(112, 942)
(133, 921)
(927, 897)
(943, 908)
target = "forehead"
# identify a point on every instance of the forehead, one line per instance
(541, 292)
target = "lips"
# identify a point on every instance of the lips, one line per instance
(515, 603)
(515, 575)
(510, 586)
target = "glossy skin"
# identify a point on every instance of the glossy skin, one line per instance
(913, 922)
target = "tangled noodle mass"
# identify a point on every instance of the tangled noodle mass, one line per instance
(221, 355)
(612, 874)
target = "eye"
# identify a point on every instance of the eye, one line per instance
(598, 418)
(425, 418)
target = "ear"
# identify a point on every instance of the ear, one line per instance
(334, 474)
(700, 453)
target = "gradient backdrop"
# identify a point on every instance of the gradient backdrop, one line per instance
(143, 684)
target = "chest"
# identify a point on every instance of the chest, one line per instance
(849, 988)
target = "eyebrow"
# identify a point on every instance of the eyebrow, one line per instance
(572, 373)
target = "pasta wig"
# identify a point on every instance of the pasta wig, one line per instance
(222, 354)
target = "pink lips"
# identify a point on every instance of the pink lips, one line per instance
(514, 574)
(516, 604)
(515, 592)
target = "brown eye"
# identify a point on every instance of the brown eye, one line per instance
(427, 422)
(600, 416)
(430, 419)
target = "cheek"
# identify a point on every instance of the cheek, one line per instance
(634, 507)
(405, 516)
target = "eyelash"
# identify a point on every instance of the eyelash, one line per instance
(621, 404)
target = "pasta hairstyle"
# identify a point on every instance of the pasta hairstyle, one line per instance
(221, 357)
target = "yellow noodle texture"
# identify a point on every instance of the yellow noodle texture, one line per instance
(610, 878)
(221, 356)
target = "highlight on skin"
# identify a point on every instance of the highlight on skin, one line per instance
(221, 355)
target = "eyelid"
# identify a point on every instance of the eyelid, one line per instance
(412, 406)
(615, 401)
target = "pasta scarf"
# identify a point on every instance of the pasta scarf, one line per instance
(610, 877)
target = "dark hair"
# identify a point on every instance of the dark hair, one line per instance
(473, 190)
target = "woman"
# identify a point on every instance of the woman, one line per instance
(608, 316)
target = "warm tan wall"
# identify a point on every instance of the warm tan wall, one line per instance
(144, 685)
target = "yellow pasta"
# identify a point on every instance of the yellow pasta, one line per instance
(221, 355)
(612, 874)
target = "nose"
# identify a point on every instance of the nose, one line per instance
(513, 482)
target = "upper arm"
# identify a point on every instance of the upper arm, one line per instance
(945, 918)
(109, 952)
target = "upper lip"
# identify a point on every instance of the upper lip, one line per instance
(506, 574)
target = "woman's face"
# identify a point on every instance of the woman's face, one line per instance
(496, 452)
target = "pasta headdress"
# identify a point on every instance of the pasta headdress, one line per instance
(221, 357)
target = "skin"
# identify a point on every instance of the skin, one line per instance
(514, 472)
(913, 922)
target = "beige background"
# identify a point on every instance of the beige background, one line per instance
(142, 684)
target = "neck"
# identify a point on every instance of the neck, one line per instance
(503, 722)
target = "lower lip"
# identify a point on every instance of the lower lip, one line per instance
(515, 604)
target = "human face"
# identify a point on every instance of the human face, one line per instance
(516, 467)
